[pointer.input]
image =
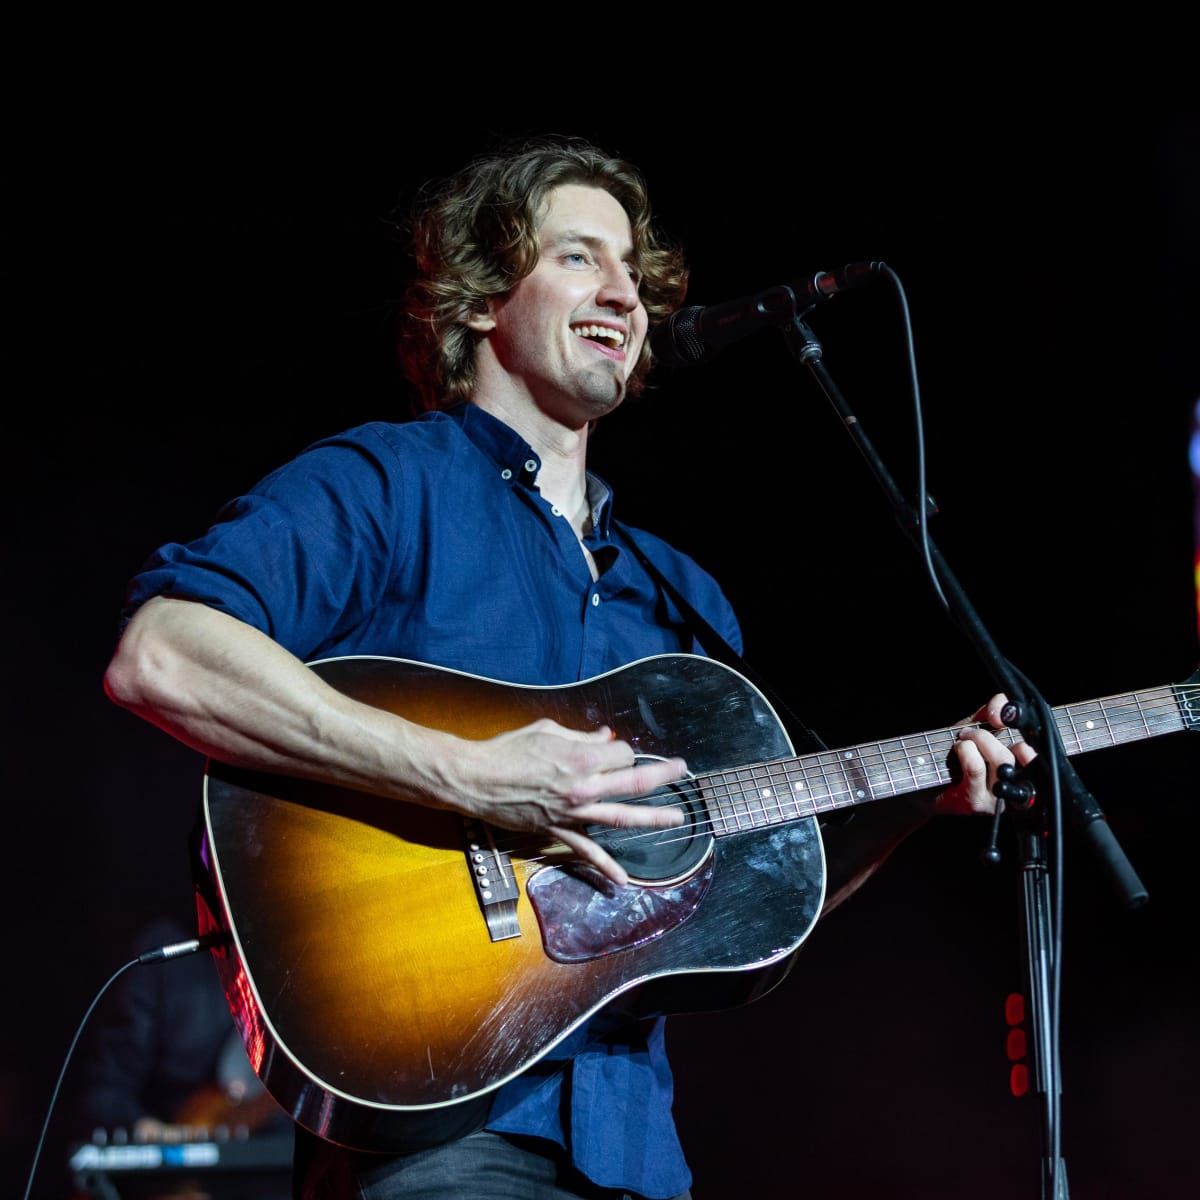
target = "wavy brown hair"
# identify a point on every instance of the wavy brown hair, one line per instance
(474, 237)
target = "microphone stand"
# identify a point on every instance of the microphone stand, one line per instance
(1032, 716)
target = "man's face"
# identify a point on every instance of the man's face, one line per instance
(569, 334)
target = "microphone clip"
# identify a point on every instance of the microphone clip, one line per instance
(801, 342)
(1014, 787)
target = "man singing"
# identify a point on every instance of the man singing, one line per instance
(473, 538)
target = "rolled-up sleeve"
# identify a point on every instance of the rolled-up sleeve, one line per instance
(303, 556)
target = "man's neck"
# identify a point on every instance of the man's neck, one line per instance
(562, 479)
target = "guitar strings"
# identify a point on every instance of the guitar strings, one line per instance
(759, 804)
(837, 794)
(731, 783)
(827, 767)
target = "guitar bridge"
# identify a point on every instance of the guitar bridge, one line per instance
(492, 875)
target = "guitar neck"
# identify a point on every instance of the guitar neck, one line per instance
(782, 790)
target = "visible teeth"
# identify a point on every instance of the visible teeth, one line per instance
(600, 331)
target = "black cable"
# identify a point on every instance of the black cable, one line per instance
(922, 505)
(37, 1154)
(921, 511)
(160, 954)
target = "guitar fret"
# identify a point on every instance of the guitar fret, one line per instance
(768, 795)
(802, 788)
(857, 781)
(892, 788)
(801, 793)
(752, 799)
(737, 801)
(1105, 710)
(718, 804)
(940, 774)
(814, 784)
(825, 798)
(778, 787)
(756, 802)
(847, 787)
(821, 788)
(1165, 714)
(745, 796)
(1107, 714)
(716, 818)
(768, 806)
(1091, 726)
(1074, 729)
(897, 756)
(1145, 723)
(1072, 742)
(924, 767)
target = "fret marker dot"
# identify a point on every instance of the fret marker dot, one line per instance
(860, 793)
(849, 753)
(766, 792)
(799, 787)
(920, 760)
(1089, 724)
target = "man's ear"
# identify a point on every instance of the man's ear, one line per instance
(481, 322)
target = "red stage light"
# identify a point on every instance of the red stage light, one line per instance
(1014, 1008)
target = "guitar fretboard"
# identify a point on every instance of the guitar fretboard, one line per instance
(771, 793)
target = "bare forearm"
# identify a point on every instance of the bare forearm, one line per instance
(229, 691)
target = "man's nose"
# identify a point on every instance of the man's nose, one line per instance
(618, 291)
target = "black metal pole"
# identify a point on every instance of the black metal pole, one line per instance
(1042, 945)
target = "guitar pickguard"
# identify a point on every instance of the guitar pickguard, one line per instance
(583, 915)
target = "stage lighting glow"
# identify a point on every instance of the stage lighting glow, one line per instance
(1194, 459)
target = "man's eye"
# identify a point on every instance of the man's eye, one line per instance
(576, 259)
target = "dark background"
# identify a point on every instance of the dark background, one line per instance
(195, 296)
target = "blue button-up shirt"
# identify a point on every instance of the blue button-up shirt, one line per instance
(431, 541)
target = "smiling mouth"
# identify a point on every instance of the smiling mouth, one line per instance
(602, 335)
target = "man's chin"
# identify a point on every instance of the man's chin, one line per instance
(597, 397)
(594, 394)
(603, 408)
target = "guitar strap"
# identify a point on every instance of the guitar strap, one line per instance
(803, 738)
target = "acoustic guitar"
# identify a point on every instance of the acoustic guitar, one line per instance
(383, 960)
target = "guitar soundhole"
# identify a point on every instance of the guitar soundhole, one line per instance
(584, 916)
(658, 856)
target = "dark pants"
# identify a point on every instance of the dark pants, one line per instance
(487, 1165)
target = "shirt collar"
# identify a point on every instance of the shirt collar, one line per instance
(513, 456)
(518, 462)
(599, 498)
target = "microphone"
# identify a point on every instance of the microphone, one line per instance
(695, 334)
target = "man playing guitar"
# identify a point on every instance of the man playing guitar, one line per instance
(475, 539)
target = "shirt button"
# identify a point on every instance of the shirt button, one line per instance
(595, 599)
(531, 465)
(556, 510)
(506, 474)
